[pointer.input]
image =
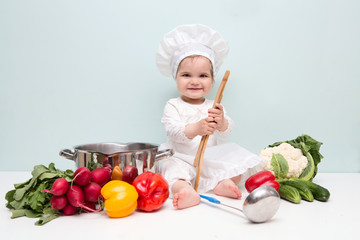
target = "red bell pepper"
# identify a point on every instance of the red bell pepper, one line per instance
(263, 178)
(153, 191)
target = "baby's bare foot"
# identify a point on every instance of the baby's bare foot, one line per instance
(227, 188)
(185, 198)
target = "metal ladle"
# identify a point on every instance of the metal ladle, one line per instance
(259, 206)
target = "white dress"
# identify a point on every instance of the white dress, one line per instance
(222, 160)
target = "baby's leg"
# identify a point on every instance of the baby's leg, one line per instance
(184, 195)
(228, 188)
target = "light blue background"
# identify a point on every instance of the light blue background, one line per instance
(76, 72)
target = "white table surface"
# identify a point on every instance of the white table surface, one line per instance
(339, 218)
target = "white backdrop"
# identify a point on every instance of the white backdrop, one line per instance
(75, 72)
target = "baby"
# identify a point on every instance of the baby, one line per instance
(192, 55)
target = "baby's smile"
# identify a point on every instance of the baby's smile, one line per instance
(194, 89)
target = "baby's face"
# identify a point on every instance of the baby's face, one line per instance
(194, 79)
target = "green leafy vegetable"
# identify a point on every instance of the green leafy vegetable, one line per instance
(92, 164)
(47, 216)
(280, 165)
(27, 199)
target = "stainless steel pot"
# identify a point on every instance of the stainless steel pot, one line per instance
(140, 155)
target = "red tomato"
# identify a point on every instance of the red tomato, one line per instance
(274, 184)
(153, 191)
(263, 178)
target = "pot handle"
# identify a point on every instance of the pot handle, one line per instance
(67, 153)
(164, 154)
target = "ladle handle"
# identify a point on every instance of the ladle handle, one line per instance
(214, 200)
(210, 199)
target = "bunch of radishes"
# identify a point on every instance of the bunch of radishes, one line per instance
(82, 193)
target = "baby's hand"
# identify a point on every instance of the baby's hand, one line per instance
(205, 126)
(217, 115)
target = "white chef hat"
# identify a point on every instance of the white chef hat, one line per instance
(187, 40)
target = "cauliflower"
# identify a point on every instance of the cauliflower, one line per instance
(296, 160)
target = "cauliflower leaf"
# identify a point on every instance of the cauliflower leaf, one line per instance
(280, 165)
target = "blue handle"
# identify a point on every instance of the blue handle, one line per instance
(210, 199)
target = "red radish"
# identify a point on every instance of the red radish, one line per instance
(92, 192)
(82, 176)
(129, 174)
(90, 205)
(108, 166)
(106, 160)
(69, 210)
(76, 197)
(100, 176)
(58, 202)
(59, 187)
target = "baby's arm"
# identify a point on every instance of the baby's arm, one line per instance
(227, 132)
(215, 122)
(173, 124)
(180, 131)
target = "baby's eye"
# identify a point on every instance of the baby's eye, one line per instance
(186, 75)
(203, 76)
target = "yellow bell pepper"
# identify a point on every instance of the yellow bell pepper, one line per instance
(120, 198)
(116, 173)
